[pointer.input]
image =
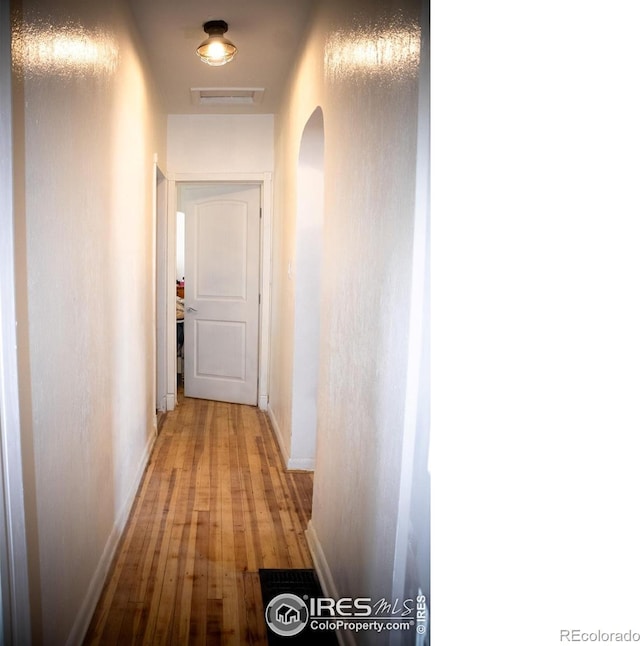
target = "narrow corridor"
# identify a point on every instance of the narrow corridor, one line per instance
(215, 505)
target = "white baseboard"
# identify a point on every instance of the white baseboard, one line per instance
(327, 583)
(263, 402)
(301, 464)
(83, 619)
(171, 401)
(161, 405)
(283, 447)
(292, 464)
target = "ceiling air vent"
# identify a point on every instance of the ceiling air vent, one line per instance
(226, 95)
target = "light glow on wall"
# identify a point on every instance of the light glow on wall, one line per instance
(67, 50)
(386, 50)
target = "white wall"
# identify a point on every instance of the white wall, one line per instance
(360, 65)
(220, 143)
(86, 131)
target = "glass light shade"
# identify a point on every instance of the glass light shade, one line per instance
(216, 50)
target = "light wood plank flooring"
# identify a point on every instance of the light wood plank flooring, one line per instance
(215, 505)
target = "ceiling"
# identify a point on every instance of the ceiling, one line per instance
(266, 32)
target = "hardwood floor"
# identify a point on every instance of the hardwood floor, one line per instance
(215, 505)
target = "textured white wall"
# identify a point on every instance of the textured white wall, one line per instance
(87, 135)
(220, 143)
(360, 65)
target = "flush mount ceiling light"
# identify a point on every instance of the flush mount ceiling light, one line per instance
(216, 50)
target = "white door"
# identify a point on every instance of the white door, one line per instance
(221, 292)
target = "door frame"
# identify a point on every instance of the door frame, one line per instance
(160, 212)
(265, 181)
(15, 617)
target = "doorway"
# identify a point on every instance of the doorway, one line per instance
(308, 288)
(160, 198)
(221, 290)
(264, 182)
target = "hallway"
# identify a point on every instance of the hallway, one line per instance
(109, 112)
(215, 505)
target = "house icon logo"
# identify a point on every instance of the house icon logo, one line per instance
(286, 615)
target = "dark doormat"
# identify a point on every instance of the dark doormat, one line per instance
(290, 612)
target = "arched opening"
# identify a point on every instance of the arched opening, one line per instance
(309, 236)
